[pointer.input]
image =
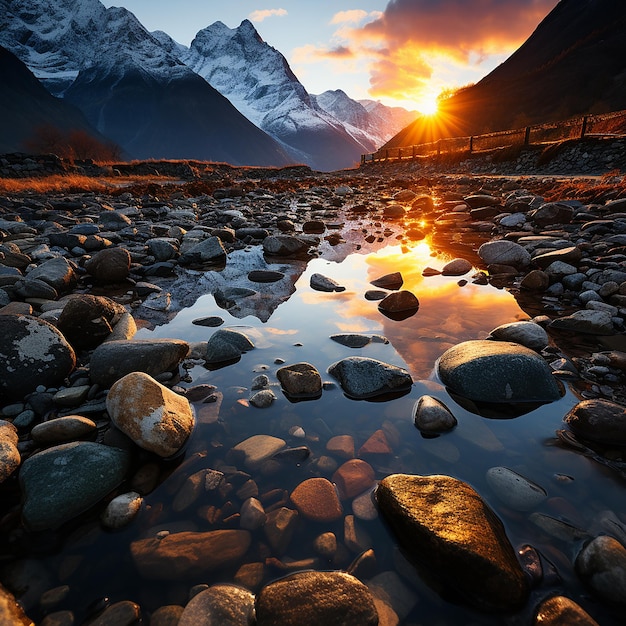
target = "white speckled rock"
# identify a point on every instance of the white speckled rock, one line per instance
(514, 490)
(121, 510)
(153, 416)
(504, 252)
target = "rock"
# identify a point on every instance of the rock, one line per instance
(362, 377)
(284, 245)
(311, 598)
(405, 195)
(58, 273)
(552, 213)
(263, 399)
(124, 613)
(252, 514)
(226, 605)
(319, 282)
(559, 610)
(570, 255)
(353, 478)
(111, 265)
(121, 510)
(227, 345)
(317, 501)
(187, 554)
(375, 445)
(504, 252)
(389, 281)
(113, 360)
(390, 588)
(63, 429)
(341, 446)
(602, 566)
(210, 250)
(32, 353)
(35, 288)
(265, 276)
(87, 320)
(394, 211)
(62, 482)
(598, 420)
(9, 455)
(515, 490)
(497, 371)
(444, 525)
(279, 528)
(586, 321)
(11, 612)
(456, 267)
(476, 201)
(399, 305)
(431, 415)
(153, 416)
(167, 615)
(535, 280)
(258, 449)
(353, 340)
(526, 334)
(300, 380)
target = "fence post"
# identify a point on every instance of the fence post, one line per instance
(527, 136)
(414, 152)
(583, 130)
(387, 154)
(471, 144)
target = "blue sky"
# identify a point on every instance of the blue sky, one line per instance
(402, 52)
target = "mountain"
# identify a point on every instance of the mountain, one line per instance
(128, 85)
(27, 108)
(257, 79)
(573, 64)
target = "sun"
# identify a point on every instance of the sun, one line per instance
(429, 107)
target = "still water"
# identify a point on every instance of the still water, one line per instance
(96, 564)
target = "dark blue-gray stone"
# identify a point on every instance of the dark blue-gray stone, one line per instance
(497, 371)
(62, 482)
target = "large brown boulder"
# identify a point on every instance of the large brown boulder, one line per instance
(444, 525)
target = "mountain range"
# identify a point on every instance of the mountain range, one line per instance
(573, 64)
(228, 97)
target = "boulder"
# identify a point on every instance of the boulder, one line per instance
(598, 420)
(111, 265)
(446, 527)
(602, 565)
(226, 605)
(585, 321)
(504, 252)
(32, 353)
(227, 345)
(210, 250)
(58, 273)
(300, 380)
(526, 334)
(497, 371)
(153, 416)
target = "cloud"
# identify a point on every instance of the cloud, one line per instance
(354, 16)
(412, 38)
(262, 14)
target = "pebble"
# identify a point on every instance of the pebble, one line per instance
(514, 489)
(316, 500)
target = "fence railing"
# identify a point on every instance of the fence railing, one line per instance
(604, 125)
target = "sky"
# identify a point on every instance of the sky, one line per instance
(401, 52)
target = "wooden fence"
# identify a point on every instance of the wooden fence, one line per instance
(576, 128)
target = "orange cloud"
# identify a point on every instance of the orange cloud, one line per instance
(262, 14)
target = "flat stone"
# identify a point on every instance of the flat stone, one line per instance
(515, 490)
(210, 250)
(497, 371)
(319, 282)
(586, 321)
(153, 416)
(456, 267)
(58, 273)
(188, 554)
(124, 613)
(265, 276)
(63, 481)
(258, 449)
(316, 500)
(284, 245)
(63, 429)
(341, 446)
(445, 526)
(353, 478)
(598, 420)
(311, 598)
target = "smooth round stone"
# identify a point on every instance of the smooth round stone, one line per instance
(311, 598)
(598, 420)
(326, 545)
(559, 610)
(168, 615)
(58, 273)
(211, 321)
(316, 500)
(535, 280)
(497, 371)
(375, 294)
(399, 305)
(111, 265)
(222, 604)
(263, 399)
(431, 415)
(320, 282)
(526, 334)
(602, 565)
(504, 252)
(456, 267)
(125, 613)
(300, 380)
(362, 377)
(265, 276)
(62, 429)
(514, 490)
(61, 482)
(389, 281)
(258, 449)
(227, 345)
(341, 446)
(121, 510)
(353, 478)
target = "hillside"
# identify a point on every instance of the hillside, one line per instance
(573, 64)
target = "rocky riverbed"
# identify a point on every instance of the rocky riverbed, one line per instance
(96, 425)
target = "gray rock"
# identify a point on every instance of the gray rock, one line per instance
(263, 399)
(209, 250)
(497, 371)
(58, 273)
(456, 267)
(504, 252)
(526, 334)
(112, 360)
(32, 353)
(430, 415)
(35, 288)
(444, 524)
(284, 245)
(62, 482)
(602, 565)
(598, 420)
(354, 340)
(515, 490)
(320, 282)
(227, 345)
(361, 377)
(121, 510)
(163, 248)
(308, 598)
(63, 429)
(226, 605)
(586, 321)
(111, 265)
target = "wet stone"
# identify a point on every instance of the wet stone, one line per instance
(226, 345)
(399, 305)
(602, 565)
(316, 500)
(300, 380)
(226, 605)
(560, 610)
(514, 489)
(527, 334)
(456, 267)
(505, 253)
(108, 266)
(431, 415)
(320, 282)
(389, 281)
(63, 429)
(598, 420)
(353, 478)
